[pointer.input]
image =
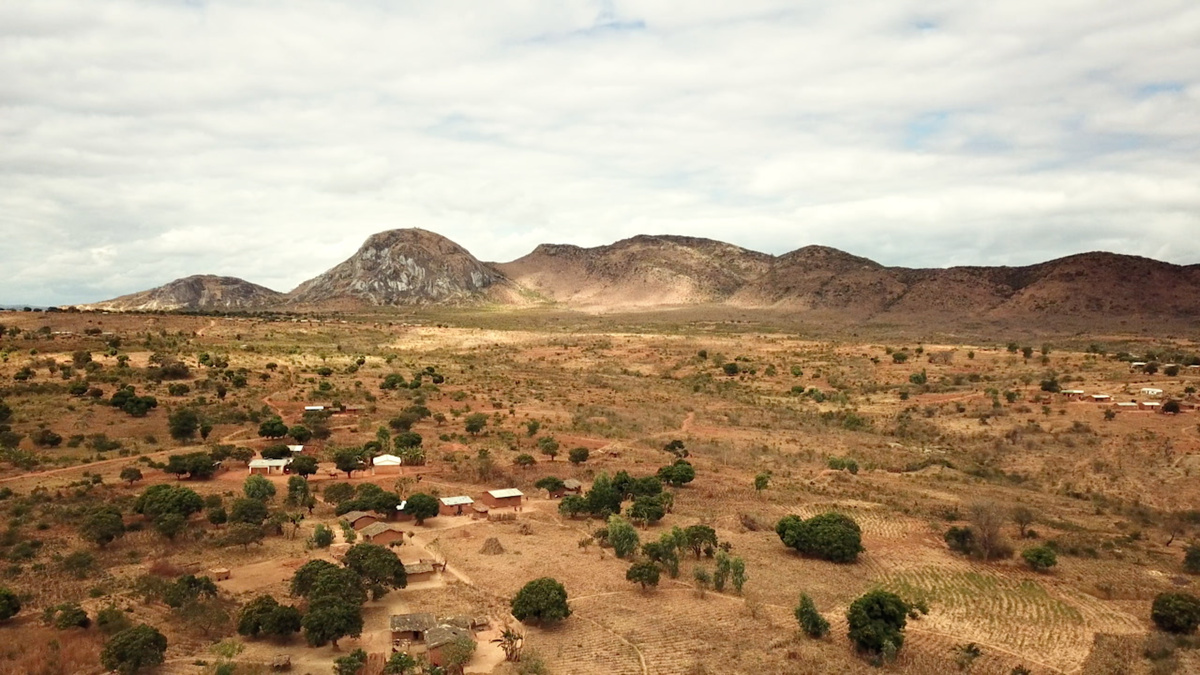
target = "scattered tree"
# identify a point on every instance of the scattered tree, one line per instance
(622, 536)
(475, 422)
(1040, 558)
(421, 506)
(811, 622)
(542, 600)
(644, 573)
(876, 621)
(1176, 612)
(131, 474)
(259, 488)
(134, 649)
(578, 455)
(378, 567)
(10, 604)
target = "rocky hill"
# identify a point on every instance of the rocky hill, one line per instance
(402, 267)
(198, 292)
(644, 271)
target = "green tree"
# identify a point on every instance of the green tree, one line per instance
(1040, 558)
(194, 464)
(331, 619)
(876, 620)
(524, 460)
(407, 439)
(578, 455)
(647, 510)
(303, 465)
(828, 536)
(542, 600)
(572, 505)
(700, 538)
(297, 491)
(548, 446)
(305, 577)
(183, 424)
(187, 588)
(131, 474)
(475, 422)
(10, 604)
(378, 567)
(349, 460)
(103, 527)
(550, 484)
(738, 574)
(300, 433)
(622, 536)
(248, 510)
(243, 534)
(400, 664)
(677, 474)
(421, 506)
(761, 481)
(337, 493)
(264, 616)
(644, 573)
(259, 488)
(159, 499)
(134, 649)
(811, 622)
(351, 663)
(273, 428)
(170, 525)
(457, 654)
(322, 536)
(1176, 612)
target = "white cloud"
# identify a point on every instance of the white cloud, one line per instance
(141, 141)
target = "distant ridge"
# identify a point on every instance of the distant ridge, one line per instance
(418, 267)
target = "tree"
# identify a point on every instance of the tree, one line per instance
(761, 481)
(265, 617)
(551, 484)
(351, 663)
(676, 447)
(811, 622)
(828, 536)
(603, 498)
(548, 446)
(572, 505)
(699, 538)
(331, 619)
(987, 520)
(421, 506)
(349, 460)
(188, 588)
(170, 525)
(960, 539)
(243, 534)
(378, 567)
(305, 577)
(578, 455)
(738, 574)
(159, 499)
(273, 428)
(103, 527)
(183, 424)
(194, 464)
(542, 600)
(1176, 612)
(303, 465)
(400, 663)
(297, 491)
(647, 510)
(134, 649)
(217, 515)
(131, 474)
(622, 536)
(322, 536)
(300, 433)
(247, 510)
(1171, 407)
(1023, 516)
(475, 422)
(458, 653)
(1040, 558)
(336, 493)
(1191, 559)
(524, 460)
(259, 488)
(877, 620)
(10, 604)
(111, 620)
(644, 573)
(677, 474)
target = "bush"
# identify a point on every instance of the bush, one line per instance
(111, 620)
(134, 649)
(578, 455)
(541, 601)
(877, 621)
(828, 536)
(10, 604)
(1191, 559)
(811, 622)
(960, 539)
(1176, 612)
(1040, 558)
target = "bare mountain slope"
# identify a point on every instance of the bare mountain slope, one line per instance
(198, 292)
(643, 271)
(403, 267)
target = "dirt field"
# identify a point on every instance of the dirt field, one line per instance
(933, 434)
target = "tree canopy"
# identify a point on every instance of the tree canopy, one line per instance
(828, 536)
(134, 649)
(542, 600)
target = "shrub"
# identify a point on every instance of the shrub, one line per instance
(1176, 612)
(1191, 559)
(811, 622)
(876, 621)
(10, 604)
(134, 649)
(960, 539)
(1040, 558)
(541, 601)
(828, 536)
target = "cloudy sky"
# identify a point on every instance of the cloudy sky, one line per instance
(141, 141)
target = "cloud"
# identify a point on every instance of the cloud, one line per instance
(143, 141)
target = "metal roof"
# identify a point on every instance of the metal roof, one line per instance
(462, 500)
(387, 460)
(506, 493)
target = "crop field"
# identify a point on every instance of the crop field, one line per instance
(906, 435)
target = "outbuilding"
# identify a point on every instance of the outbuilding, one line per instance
(419, 571)
(454, 506)
(411, 627)
(382, 534)
(440, 637)
(572, 487)
(503, 499)
(264, 467)
(1101, 398)
(360, 519)
(386, 464)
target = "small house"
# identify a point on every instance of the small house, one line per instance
(1101, 398)
(1128, 405)
(503, 499)
(382, 534)
(454, 506)
(419, 571)
(479, 511)
(1073, 394)
(572, 487)
(314, 408)
(411, 627)
(265, 467)
(386, 464)
(360, 519)
(1150, 405)
(439, 637)
(1152, 392)
(219, 573)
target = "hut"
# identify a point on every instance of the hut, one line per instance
(479, 511)
(411, 627)
(360, 519)
(440, 637)
(382, 534)
(503, 499)
(454, 506)
(572, 487)
(422, 570)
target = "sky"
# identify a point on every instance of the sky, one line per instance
(146, 140)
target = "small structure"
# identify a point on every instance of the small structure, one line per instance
(439, 637)
(503, 499)
(1152, 392)
(422, 570)
(264, 467)
(314, 408)
(382, 534)
(1073, 394)
(281, 663)
(296, 449)
(1127, 405)
(479, 511)
(572, 487)
(1101, 398)
(1137, 365)
(386, 464)
(411, 627)
(360, 519)
(219, 573)
(454, 506)
(1150, 405)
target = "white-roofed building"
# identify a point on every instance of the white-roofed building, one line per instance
(454, 506)
(386, 464)
(267, 466)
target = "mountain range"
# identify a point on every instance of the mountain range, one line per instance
(418, 267)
